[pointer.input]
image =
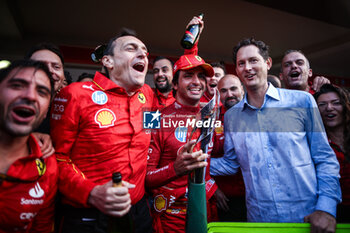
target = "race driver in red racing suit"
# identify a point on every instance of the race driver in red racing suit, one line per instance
(170, 158)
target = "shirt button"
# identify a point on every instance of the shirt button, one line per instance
(270, 165)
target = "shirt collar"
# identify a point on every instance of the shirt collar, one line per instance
(105, 84)
(271, 92)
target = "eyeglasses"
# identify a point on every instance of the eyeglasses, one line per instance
(97, 55)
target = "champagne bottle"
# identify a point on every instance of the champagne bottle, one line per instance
(122, 224)
(191, 35)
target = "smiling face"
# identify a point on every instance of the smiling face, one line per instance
(295, 71)
(128, 65)
(331, 109)
(212, 82)
(54, 64)
(163, 75)
(24, 100)
(251, 68)
(190, 86)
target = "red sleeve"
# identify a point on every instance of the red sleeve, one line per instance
(44, 220)
(193, 50)
(64, 130)
(155, 176)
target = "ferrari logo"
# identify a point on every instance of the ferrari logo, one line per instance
(142, 98)
(41, 166)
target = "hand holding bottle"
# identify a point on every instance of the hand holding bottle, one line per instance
(111, 200)
(193, 30)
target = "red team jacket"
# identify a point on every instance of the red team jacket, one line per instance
(28, 205)
(160, 101)
(169, 190)
(97, 130)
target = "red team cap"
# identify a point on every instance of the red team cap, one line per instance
(190, 61)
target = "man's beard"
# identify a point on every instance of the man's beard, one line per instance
(229, 104)
(164, 89)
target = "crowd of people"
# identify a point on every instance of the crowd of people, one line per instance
(280, 155)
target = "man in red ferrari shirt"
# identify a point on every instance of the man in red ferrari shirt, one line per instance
(97, 130)
(28, 181)
(170, 157)
(163, 77)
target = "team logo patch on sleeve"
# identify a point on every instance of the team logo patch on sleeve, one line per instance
(160, 203)
(142, 98)
(105, 118)
(99, 97)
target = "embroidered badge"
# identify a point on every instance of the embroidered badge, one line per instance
(160, 203)
(142, 98)
(105, 118)
(40, 165)
(198, 58)
(99, 97)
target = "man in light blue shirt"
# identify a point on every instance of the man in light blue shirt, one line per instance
(277, 138)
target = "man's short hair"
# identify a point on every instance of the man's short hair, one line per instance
(37, 65)
(158, 58)
(296, 51)
(44, 46)
(85, 75)
(111, 44)
(219, 64)
(263, 48)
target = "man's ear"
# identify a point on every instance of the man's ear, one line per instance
(310, 73)
(269, 63)
(107, 61)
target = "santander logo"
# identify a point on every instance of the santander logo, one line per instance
(37, 191)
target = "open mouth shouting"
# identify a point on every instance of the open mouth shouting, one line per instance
(23, 114)
(294, 75)
(139, 66)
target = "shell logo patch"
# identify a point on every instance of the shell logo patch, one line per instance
(99, 97)
(142, 98)
(105, 118)
(160, 203)
(198, 58)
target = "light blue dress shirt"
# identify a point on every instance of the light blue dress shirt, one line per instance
(288, 167)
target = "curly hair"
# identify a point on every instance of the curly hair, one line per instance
(344, 97)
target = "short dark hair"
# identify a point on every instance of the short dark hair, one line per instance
(37, 65)
(111, 44)
(219, 64)
(296, 51)
(158, 58)
(44, 46)
(85, 75)
(263, 48)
